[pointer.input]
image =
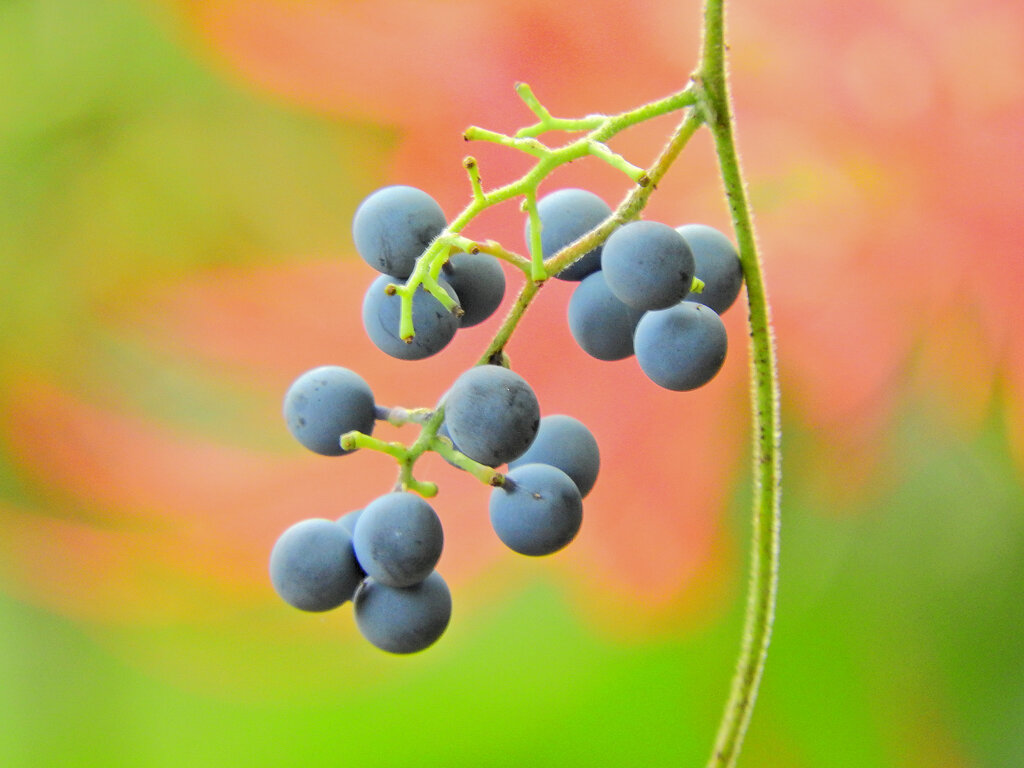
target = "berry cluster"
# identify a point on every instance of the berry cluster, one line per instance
(634, 295)
(392, 228)
(383, 556)
(493, 417)
(635, 292)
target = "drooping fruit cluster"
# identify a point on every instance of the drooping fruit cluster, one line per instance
(382, 557)
(635, 296)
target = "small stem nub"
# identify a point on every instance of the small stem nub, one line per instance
(526, 94)
(473, 169)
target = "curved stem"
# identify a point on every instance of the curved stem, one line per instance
(764, 557)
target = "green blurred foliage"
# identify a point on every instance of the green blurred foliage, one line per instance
(126, 162)
(898, 636)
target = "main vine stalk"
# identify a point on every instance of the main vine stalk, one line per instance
(712, 81)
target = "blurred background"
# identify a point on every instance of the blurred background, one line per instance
(177, 181)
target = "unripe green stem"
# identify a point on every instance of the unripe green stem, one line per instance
(353, 441)
(406, 482)
(474, 178)
(495, 249)
(525, 92)
(600, 150)
(528, 145)
(481, 472)
(501, 338)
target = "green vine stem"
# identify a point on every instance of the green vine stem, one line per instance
(599, 128)
(767, 432)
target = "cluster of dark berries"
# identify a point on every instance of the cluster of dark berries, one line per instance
(634, 296)
(635, 293)
(392, 228)
(383, 556)
(492, 416)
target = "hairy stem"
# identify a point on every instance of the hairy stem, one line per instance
(764, 562)
(634, 202)
(600, 128)
(628, 209)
